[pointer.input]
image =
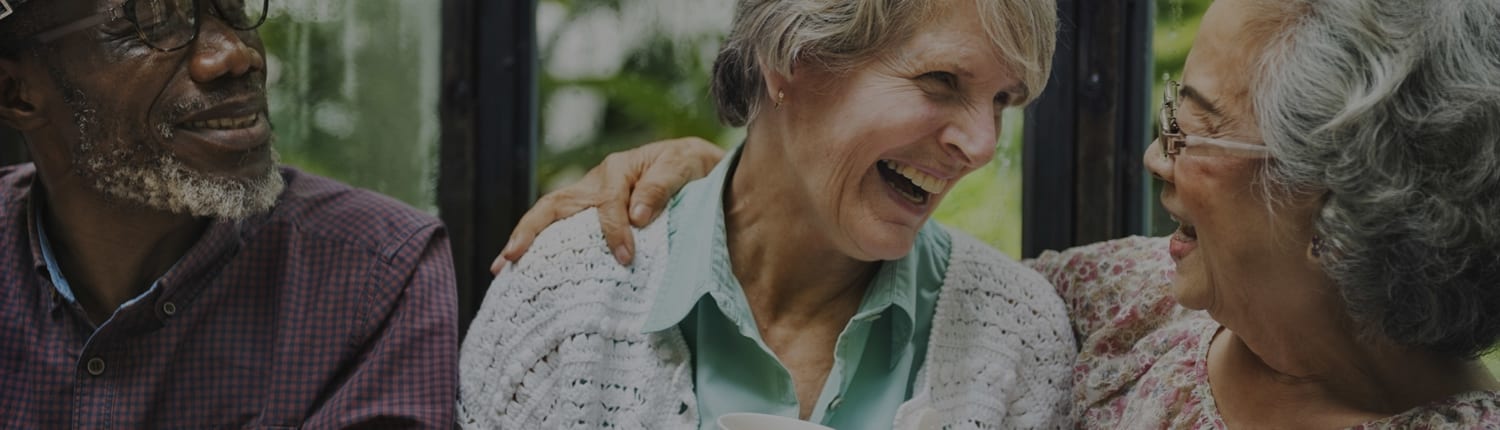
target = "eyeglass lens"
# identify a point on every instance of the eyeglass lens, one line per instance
(172, 24)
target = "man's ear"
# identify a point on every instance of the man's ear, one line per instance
(18, 96)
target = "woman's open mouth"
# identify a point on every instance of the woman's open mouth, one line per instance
(1184, 240)
(910, 183)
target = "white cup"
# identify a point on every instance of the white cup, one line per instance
(754, 421)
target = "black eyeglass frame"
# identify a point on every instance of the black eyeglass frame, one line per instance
(125, 11)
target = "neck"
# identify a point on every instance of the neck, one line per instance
(785, 259)
(111, 252)
(1316, 360)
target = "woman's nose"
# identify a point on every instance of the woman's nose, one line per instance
(1157, 162)
(973, 139)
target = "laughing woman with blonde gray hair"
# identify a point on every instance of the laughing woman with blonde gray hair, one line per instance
(803, 277)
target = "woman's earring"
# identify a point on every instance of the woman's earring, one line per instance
(780, 98)
(1317, 248)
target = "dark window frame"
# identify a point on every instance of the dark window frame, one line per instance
(1084, 137)
(488, 145)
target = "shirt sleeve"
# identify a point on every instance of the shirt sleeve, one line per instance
(406, 374)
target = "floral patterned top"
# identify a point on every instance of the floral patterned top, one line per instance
(1143, 360)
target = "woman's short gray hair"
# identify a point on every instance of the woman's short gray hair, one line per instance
(841, 34)
(1391, 109)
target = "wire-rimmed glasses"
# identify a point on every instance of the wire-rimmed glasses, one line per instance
(1174, 141)
(169, 25)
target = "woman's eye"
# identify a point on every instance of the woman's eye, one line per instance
(946, 79)
(1002, 99)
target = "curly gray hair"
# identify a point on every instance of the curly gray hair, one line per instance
(1391, 110)
(840, 34)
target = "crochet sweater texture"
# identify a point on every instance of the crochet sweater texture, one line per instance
(558, 343)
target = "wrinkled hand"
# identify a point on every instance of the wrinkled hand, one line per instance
(643, 179)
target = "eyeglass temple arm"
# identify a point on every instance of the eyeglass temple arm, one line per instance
(1229, 145)
(53, 34)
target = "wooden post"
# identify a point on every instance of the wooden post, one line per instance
(488, 109)
(1084, 136)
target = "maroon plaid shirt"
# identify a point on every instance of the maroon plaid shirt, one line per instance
(337, 309)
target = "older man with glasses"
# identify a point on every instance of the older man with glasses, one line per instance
(159, 270)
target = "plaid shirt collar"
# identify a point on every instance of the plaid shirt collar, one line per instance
(203, 259)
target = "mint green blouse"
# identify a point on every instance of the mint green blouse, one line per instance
(876, 357)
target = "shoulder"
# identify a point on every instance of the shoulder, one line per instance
(576, 245)
(569, 267)
(1096, 281)
(976, 268)
(1130, 261)
(560, 332)
(1478, 409)
(324, 210)
(1000, 341)
(568, 283)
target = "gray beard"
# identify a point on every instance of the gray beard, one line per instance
(165, 184)
(151, 177)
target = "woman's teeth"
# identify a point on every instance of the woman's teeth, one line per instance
(1187, 230)
(922, 180)
(225, 123)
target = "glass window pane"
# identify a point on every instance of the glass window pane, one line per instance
(616, 74)
(987, 203)
(354, 92)
(1176, 23)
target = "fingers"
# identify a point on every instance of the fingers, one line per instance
(704, 152)
(628, 188)
(617, 174)
(673, 164)
(661, 181)
(606, 187)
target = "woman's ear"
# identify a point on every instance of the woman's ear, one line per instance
(776, 84)
(18, 108)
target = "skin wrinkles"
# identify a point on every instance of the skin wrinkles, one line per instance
(1209, 112)
(807, 211)
(937, 73)
(127, 190)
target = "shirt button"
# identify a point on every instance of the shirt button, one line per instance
(96, 366)
(837, 401)
(169, 308)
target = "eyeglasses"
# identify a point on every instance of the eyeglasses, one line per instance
(1174, 142)
(169, 25)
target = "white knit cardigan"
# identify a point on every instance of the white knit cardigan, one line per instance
(558, 343)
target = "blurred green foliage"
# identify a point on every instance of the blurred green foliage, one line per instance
(353, 92)
(1176, 23)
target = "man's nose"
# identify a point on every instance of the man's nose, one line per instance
(221, 51)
